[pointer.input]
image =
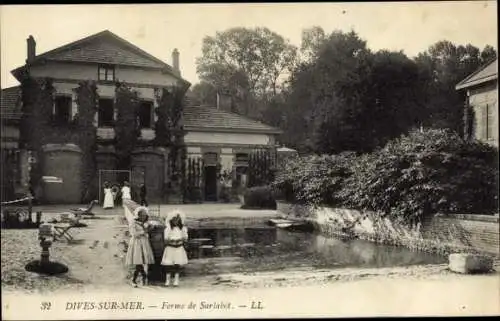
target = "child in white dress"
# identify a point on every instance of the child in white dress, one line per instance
(126, 191)
(139, 252)
(108, 197)
(174, 255)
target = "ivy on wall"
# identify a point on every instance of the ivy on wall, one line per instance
(37, 102)
(169, 131)
(87, 101)
(127, 131)
(38, 127)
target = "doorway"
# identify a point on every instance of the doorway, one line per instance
(210, 177)
(138, 178)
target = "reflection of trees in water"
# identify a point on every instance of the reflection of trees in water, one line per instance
(322, 250)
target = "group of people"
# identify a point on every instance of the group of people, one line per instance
(140, 253)
(110, 195)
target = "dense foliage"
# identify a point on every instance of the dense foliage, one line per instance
(127, 129)
(334, 93)
(259, 197)
(87, 102)
(314, 179)
(260, 168)
(39, 127)
(247, 63)
(169, 133)
(411, 177)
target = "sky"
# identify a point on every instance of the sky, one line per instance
(159, 28)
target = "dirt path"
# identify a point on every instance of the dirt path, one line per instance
(95, 260)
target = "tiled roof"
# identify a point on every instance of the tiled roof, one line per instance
(195, 117)
(9, 101)
(485, 73)
(210, 118)
(100, 51)
(107, 48)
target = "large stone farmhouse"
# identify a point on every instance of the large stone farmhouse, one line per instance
(221, 140)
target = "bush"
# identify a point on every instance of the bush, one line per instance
(314, 179)
(259, 197)
(424, 173)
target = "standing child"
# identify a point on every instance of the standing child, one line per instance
(126, 191)
(174, 255)
(139, 252)
(108, 197)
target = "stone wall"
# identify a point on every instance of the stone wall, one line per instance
(441, 233)
(63, 161)
(151, 161)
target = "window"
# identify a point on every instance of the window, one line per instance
(106, 113)
(106, 72)
(146, 114)
(62, 109)
(489, 122)
(242, 158)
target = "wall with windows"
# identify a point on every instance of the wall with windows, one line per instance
(193, 137)
(67, 75)
(484, 102)
(76, 71)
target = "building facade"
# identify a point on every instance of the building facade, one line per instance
(481, 106)
(210, 133)
(11, 169)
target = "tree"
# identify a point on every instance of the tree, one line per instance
(315, 94)
(203, 93)
(312, 39)
(445, 64)
(247, 63)
(344, 95)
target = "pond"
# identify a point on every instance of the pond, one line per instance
(260, 247)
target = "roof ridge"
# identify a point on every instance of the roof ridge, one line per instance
(11, 87)
(233, 114)
(106, 32)
(481, 68)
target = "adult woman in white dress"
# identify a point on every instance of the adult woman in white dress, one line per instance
(108, 197)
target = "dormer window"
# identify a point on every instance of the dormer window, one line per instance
(106, 72)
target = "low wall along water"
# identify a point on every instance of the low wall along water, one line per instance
(441, 233)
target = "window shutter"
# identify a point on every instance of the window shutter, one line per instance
(74, 106)
(155, 105)
(96, 119)
(115, 110)
(478, 128)
(485, 122)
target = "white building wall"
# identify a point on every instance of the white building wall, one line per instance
(193, 137)
(479, 98)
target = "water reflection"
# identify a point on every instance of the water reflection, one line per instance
(273, 247)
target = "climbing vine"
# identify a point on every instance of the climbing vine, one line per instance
(38, 127)
(169, 131)
(469, 123)
(127, 131)
(87, 102)
(37, 99)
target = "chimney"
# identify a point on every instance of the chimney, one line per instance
(224, 101)
(31, 49)
(175, 60)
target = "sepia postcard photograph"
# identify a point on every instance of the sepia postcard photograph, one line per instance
(249, 160)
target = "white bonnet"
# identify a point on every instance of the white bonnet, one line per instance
(139, 209)
(173, 214)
